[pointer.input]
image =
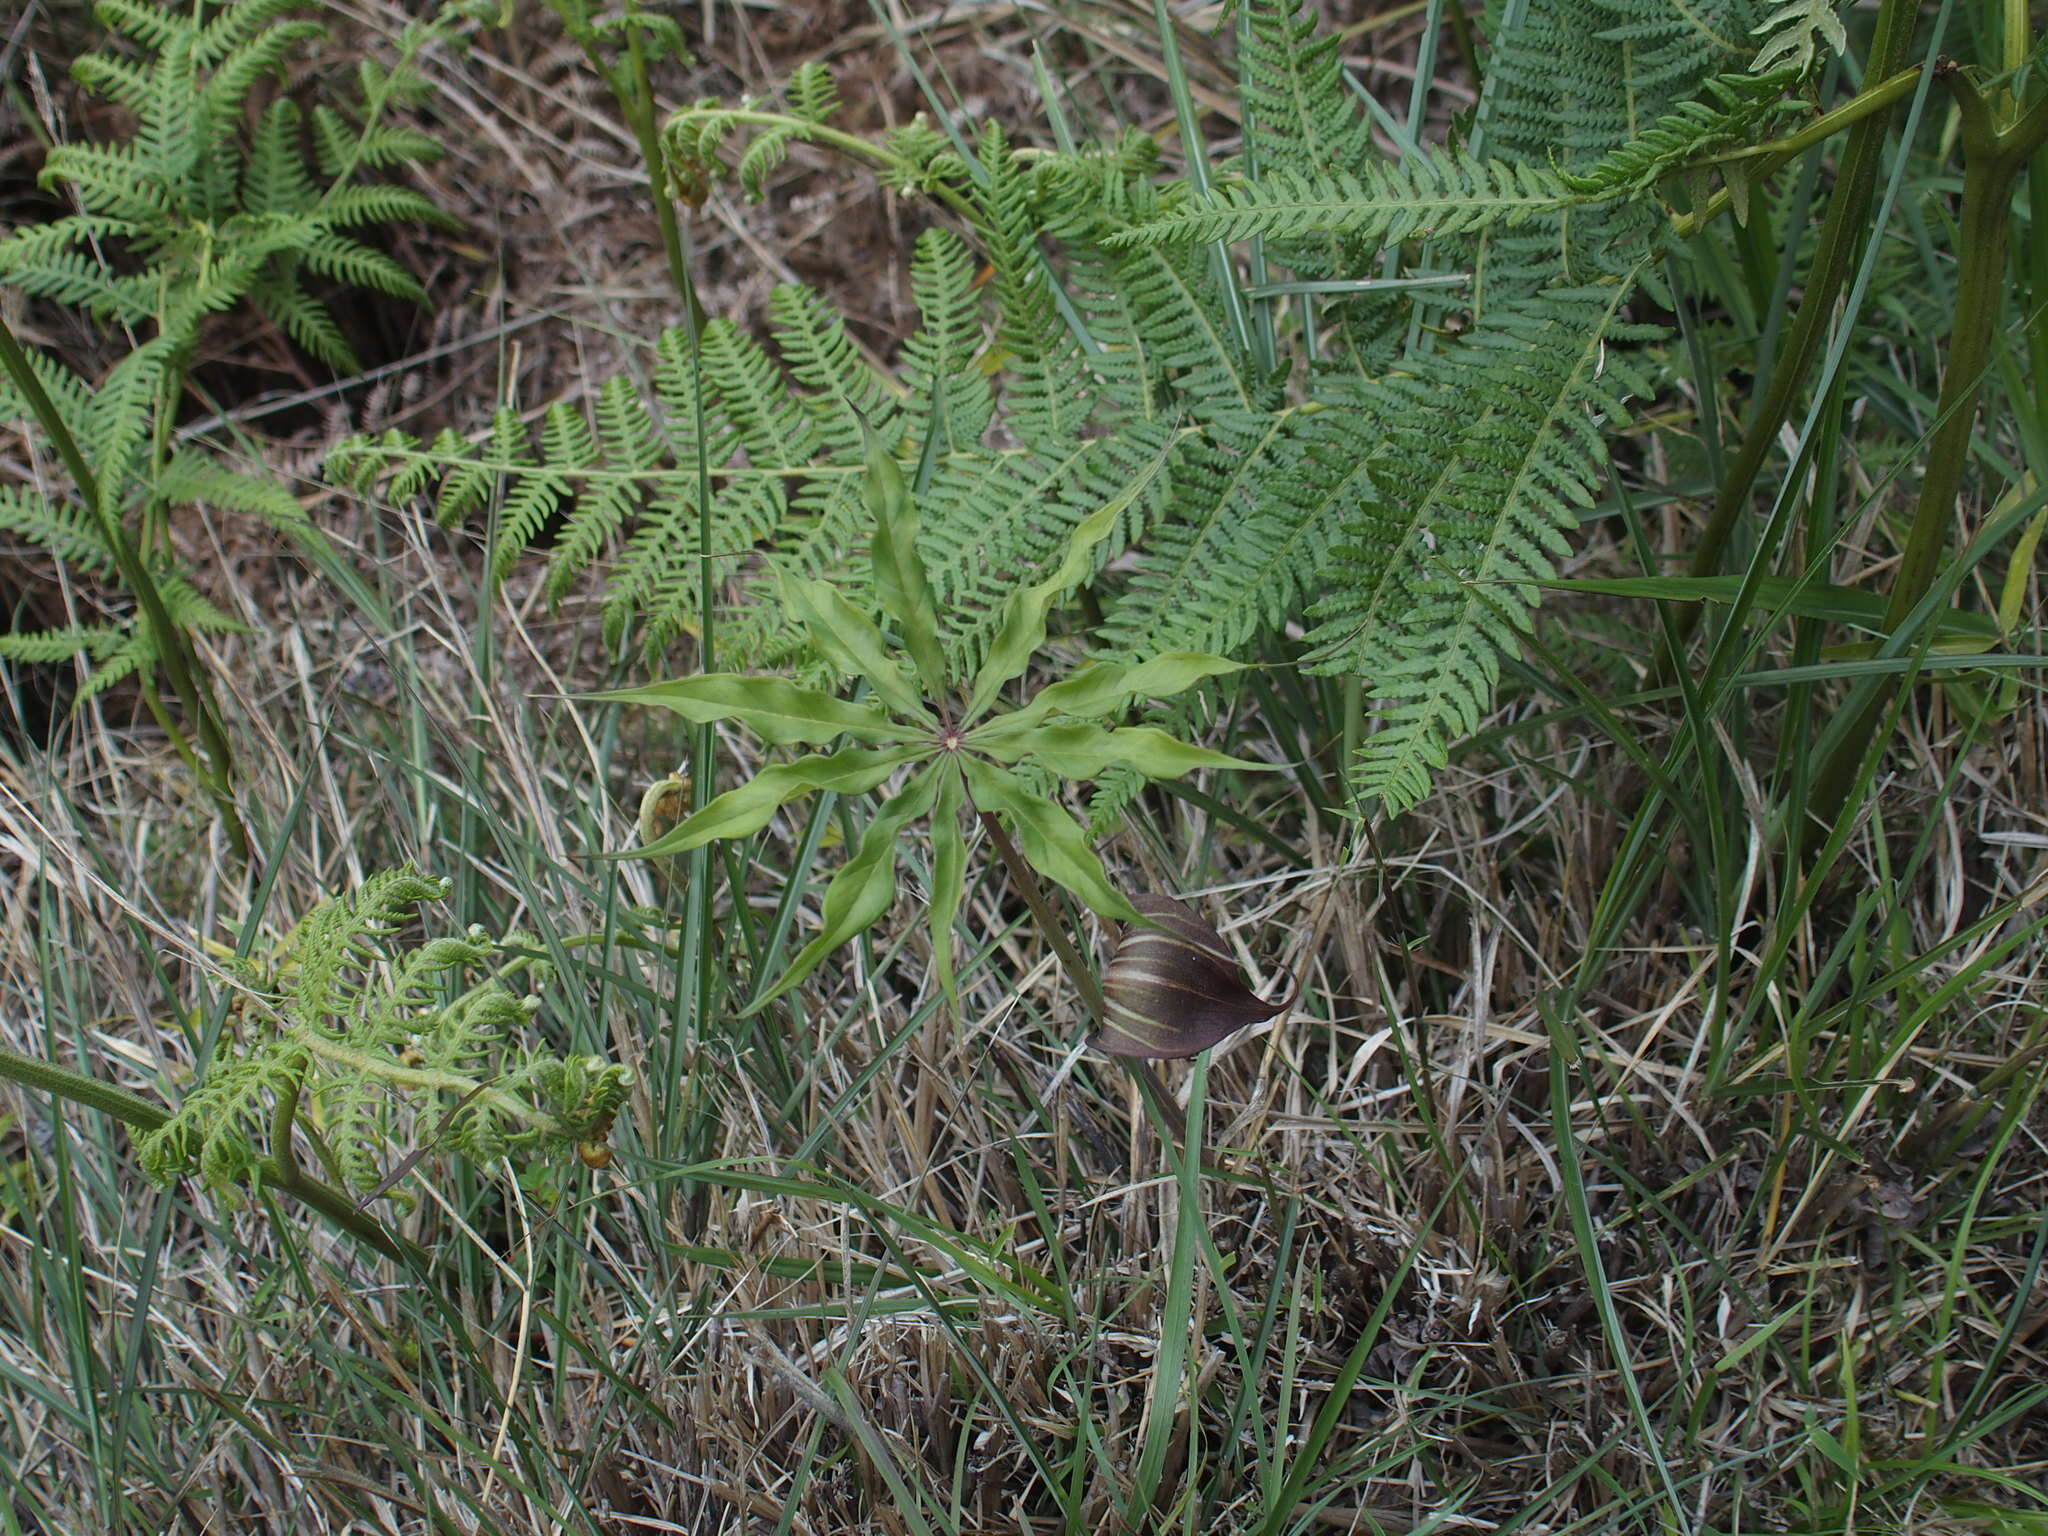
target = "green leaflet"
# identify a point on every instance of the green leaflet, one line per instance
(747, 808)
(861, 892)
(1047, 837)
(1024, 615)
(848, 639)
(1106, 687)
(1086, 751)
(772, 708)
(900, 579)
(949, 872)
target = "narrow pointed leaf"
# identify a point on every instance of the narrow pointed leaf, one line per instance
(1173, 987)
(900, 579)
(771, 707)
(747, 808)
(1024, 615)
(1086, 751)
(861, 893)
(1047, 837)
(848, 639)
(1107, 687)
(949, 870)
(1851, 606)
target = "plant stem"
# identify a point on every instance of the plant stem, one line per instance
(1873, 101)
(1844, 225)
(1991, 164)
(216, 775)
(1055, 932)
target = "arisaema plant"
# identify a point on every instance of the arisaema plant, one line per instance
(932, 745)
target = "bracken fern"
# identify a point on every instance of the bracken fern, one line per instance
(1333, 459)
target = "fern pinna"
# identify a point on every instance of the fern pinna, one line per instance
(1294, 438)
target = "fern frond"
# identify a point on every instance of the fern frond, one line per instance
(1797, 35)
(350, 1030)
(76, 279)
(1446, 193)
(236, 25)
(123, 411)
(193, 475)
(994, 523)
(631, 447)
(534, 493)
(237, 71)
(384, 145)
(334, 255)
(1669, 51)
(337, 941)
(1045, 396)
(1491, 450)
(1165, 341)
(189, 609)
(277, 180)
(467, 479)
(751, 395)
(46, 647)
(1299, 114)
(1731, 112)
(70, 394)
(1261, 501)
(151, 25)
(65, 529)
(278, 297)
(112, 179)
(939, 357)
(135, 653)
(812, 94)
(810, 336)
(116, 79)
(656, 582)
(171, 130)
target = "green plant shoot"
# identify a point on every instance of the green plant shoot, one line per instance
(943, 753)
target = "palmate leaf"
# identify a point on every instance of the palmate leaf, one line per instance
(746, 809)
(849, 641)
(901, 584)
(1108, 686)
(949, 874)
(1023, 627)
(1088, 751)
(860, 895)
(1047, 836)
(771, 707)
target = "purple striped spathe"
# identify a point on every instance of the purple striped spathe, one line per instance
(1173, 988)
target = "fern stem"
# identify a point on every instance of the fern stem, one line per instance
(1992, 162)
(130, 1109)
(1777, 153)
(1843, 226)
(284, 1115)
(171, 641)
(140, 1114)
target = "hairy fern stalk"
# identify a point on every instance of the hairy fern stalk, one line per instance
(1315, 453)
(193, 215)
